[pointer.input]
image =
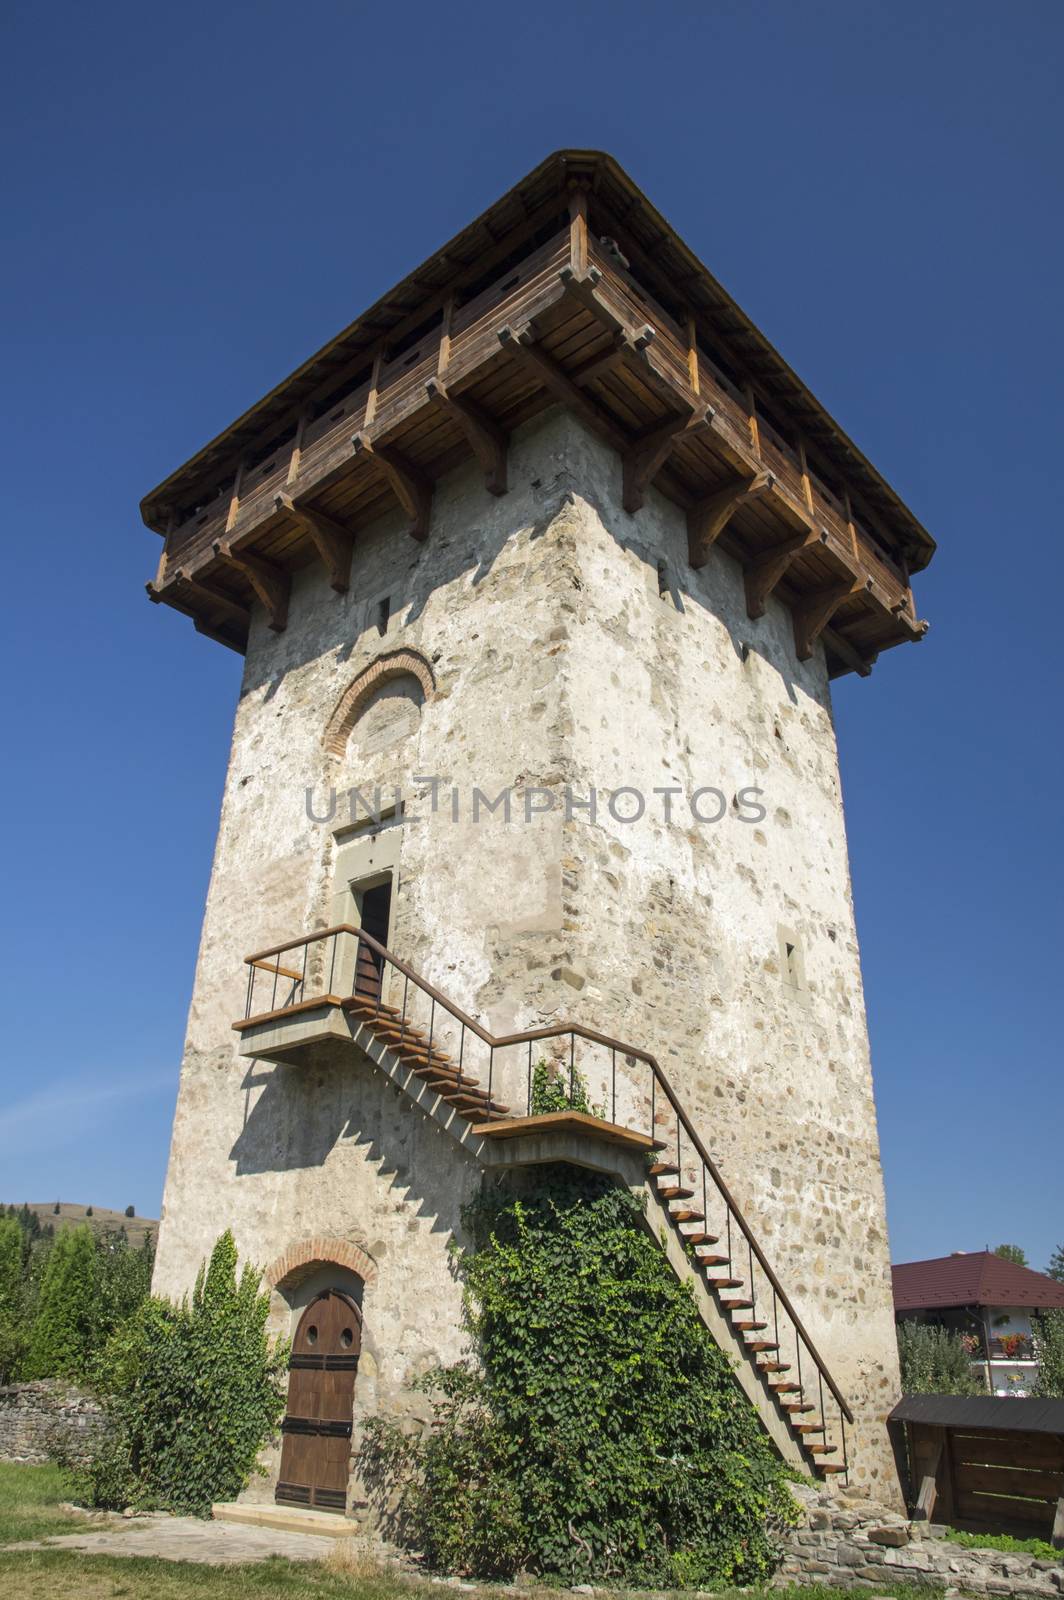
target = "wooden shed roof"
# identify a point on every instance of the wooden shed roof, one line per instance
(998, 1414)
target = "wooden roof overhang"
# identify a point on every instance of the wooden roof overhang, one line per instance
(570, 289)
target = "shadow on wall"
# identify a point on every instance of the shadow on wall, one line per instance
(300, 1115)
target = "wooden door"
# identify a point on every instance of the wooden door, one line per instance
(321, 1388)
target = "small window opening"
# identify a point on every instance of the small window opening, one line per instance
(384, 612)
(663, 580)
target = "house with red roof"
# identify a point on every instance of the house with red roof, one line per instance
(986, 1298)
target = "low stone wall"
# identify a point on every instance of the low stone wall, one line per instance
(853, 1544)
(37, 1419)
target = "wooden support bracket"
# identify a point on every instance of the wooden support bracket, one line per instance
(812, 615)
(762, 575)
(620, 347)
(645, 457)
(486, 439)
(848, 653)
(332, 541)
(271, 584)
(227, 606)
(522, 345)
(707, 520)
(410, 486)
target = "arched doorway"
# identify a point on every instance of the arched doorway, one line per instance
(321, 1386)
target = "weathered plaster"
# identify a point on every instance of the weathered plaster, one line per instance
(555, 660)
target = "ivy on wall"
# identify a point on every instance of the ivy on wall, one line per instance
(601, 1433)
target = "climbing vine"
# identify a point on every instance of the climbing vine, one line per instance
(560, 1091)
(601, 1433)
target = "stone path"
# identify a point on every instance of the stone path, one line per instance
(188, 1539)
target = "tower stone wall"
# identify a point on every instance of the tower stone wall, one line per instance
(561, 644)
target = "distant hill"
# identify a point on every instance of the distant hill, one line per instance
(70, 1215)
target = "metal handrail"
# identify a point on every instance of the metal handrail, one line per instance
(572, 1031)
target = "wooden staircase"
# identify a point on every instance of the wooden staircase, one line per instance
(434, 1067)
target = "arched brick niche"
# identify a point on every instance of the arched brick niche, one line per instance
(396, 664)
(300, 1260)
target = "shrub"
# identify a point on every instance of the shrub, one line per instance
(193, 1391)
(12, 1338)
(1048, 1331)
(935, 1361)
(1012, 1252)
(131, 1211)
(565, 1091)
(61, 1338)
(604, 1435)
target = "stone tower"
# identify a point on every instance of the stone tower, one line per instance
(541, 569)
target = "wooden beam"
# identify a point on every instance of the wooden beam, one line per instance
(645, 457)
(812, 615)
(848, 653)
(578, 228)
(766, 571)
(619, 348)
(692, 353)
(925, 1503)
(234, 498)
(271, 584)
(522, 345)
(486, 439)
(409, 485)
(707, 520)
(226, 605)
(444, 355)
(331, 540)
(296, 457)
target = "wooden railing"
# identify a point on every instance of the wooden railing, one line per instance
(329, 969)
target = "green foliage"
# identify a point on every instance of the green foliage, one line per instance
(131, 1211)
(935, 1361)
(603, 1436)
(1055, 1268)
(1048, 1330)
(1012, 1252)
(12, 1336)
(192, 1391)
(1003, 1541)
(565, 1091)
(61, 1338)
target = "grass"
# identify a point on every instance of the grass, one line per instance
(65, 1575)
(29, 1503)
(1006, 1543)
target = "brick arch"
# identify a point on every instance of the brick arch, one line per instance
(301, 1259)
(396, 664)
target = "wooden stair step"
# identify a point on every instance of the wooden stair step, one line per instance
(737, 1305)
(686, 1215)
(371, 1008)
(744, 1325)
(712, 1261)
(829, 1466)
(726, 1283)
(773, 1366)
(479, 1100)
(786, 1388)
(453, 1085)
(661, 1169)
(807, 1427)
(674, 1191)
(792, 1406)
(698, 1237)
(757, 1345)
(822, 1449)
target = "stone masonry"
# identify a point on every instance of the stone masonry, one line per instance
(852, 1544)
(558, 641)
(48, 1417)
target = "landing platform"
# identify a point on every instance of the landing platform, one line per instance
(286, 1519)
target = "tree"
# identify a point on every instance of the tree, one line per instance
(193, 1392)
(61, 1338)
(12, 1337)
(131, 1211)
(935, 1361)
(1055, 1268)
(1048, 1329)
(88, 1211)
(1012, 1252)
(55, 1208)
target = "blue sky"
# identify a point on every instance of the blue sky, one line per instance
(197, 199)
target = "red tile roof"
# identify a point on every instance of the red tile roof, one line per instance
(978, 1278)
